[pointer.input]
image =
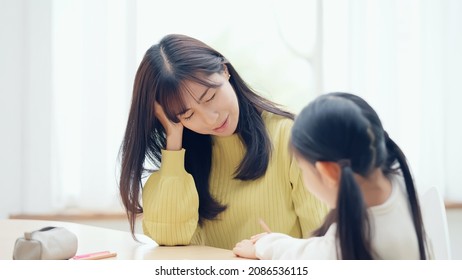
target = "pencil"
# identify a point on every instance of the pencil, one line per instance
(96, 256)
(264, 226)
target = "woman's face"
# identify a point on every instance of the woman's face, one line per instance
(211, 111)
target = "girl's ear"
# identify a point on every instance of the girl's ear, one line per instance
(225, 69)
(330, 173)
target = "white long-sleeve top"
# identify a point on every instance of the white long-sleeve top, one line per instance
(393, 235)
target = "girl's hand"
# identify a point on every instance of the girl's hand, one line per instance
(245, 249)
(173, 131)
(255, 238)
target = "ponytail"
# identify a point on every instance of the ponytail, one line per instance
(395, 153)
(344, 128)
(353, 228)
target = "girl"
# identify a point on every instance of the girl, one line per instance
(220, 150)
(349, 162)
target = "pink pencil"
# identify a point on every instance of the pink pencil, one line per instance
(95, 256)
(264, 225)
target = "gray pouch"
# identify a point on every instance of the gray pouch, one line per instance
(49, 243)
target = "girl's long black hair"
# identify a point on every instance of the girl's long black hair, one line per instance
(160, 78)
(344, 128)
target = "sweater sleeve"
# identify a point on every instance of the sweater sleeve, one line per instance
(310, 210)
(278, 246)
(170, 202)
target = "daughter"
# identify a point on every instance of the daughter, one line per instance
(349, 162)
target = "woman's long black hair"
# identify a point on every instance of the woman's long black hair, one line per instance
(160, 78)
(343, 128)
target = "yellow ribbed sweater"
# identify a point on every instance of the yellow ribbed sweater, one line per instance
(170, 199)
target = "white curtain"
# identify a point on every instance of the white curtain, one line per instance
(404, 58)
(80, 59)
(96, 48)
(93, 66)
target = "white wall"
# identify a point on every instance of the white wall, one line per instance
(25, 87)
(12, 89)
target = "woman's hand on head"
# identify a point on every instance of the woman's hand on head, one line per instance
(173, 131)
(245, 249)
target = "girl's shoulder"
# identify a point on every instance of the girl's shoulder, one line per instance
(397, 198)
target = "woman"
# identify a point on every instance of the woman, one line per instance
(220, 148)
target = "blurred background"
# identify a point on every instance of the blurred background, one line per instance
(67, 69)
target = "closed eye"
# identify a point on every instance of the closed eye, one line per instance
(188, 117)
(211, 98)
